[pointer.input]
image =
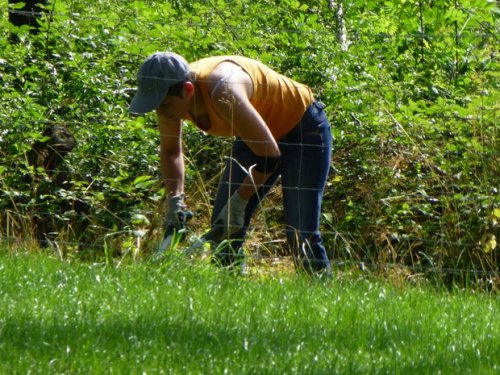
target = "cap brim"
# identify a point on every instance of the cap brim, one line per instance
(144, 102)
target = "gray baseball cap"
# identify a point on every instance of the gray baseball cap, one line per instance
(157, 74)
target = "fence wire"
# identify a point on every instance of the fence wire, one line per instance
(256, 258)
(358, 36)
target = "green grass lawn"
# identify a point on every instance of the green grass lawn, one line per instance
(182, 318)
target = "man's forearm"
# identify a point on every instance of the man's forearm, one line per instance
(172, 170)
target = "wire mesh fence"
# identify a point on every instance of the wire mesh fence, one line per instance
(435, 189)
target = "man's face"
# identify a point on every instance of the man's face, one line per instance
(174, 107)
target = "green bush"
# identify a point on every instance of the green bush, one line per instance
(412, 102)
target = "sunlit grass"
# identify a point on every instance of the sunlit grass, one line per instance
(178, 317)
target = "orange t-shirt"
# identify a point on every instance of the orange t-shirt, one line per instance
(280, 101)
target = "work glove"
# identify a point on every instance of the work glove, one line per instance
(231, 218)
(176, 218)
(177, 214)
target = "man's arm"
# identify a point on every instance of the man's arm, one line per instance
(232, 100)
(171, 158)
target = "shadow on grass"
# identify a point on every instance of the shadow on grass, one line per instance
(154, 341)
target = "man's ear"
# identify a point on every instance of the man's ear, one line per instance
(189, 87)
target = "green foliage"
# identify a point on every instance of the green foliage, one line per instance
(413, 103)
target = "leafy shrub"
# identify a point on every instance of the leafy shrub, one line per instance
(412, 102)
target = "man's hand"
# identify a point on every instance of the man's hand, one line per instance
(231, 218)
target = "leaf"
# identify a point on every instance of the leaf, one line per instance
(141, 179)
(488, 242)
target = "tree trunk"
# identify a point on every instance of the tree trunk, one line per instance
(338, 8)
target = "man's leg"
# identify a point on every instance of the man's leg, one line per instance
(237, 165)
(306, 162)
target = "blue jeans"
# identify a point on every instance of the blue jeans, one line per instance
(306, 153)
